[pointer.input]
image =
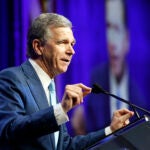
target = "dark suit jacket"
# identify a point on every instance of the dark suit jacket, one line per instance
(98, 106)
(26, 120)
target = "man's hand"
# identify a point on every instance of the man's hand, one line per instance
(74, 95)
(120, 119)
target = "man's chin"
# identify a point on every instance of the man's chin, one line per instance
(63, 70)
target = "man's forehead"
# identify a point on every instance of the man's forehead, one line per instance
(62, 33)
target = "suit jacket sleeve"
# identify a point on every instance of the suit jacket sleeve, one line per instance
(79, 142)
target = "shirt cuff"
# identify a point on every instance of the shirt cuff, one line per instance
(108, 130)
(60, 115)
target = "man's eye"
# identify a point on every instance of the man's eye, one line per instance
(62, 42)
(65, 42)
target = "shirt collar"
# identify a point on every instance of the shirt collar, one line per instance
(43, 76)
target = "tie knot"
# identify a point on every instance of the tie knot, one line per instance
(51, 86)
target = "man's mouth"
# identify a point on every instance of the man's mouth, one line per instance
(66, 60)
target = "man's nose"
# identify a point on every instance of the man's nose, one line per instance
(70, 50)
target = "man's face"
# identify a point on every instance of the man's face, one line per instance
(58, 51)
(117, 36)
(117, 40)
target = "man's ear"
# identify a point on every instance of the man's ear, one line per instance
(37, 46)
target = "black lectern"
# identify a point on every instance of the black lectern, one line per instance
(135, 136)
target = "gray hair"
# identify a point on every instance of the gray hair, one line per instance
(40, 29)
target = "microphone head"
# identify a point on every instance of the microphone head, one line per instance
(97, 89)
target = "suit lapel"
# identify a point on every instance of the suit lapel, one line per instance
(37, 91)
(35, 85)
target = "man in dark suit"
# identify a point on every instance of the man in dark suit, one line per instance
(114, 76)
(29, 120)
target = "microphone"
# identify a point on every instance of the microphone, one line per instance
(98, 89)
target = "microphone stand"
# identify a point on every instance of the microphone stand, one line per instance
(97, 89)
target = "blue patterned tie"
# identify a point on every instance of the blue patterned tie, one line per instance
(52, 92)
